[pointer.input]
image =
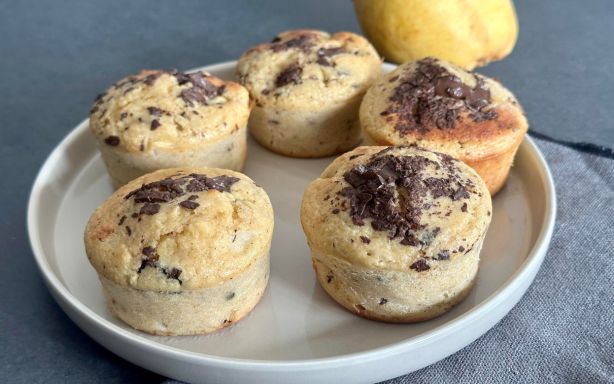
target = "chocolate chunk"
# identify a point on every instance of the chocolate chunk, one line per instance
(464, 207)
(99, 97)
(230, 295)
(151, 78)
(154, 111)
(291, 74)
(335, 211)
(123, 115)
(420, 266)
(383, 301)
(121, 220)
(193, 197)
(329, 277)
(201, 183)
(201, 91)
(302, 42)
(134, 215)
(460, 193)
(324, 55)
(461, 249)
(128, 231)
(443, 255)
(150, 259)
(155, 124)
(172, 273)
(188, 204)
(365, 239)
(431, 95)
(112, 141)
(150, 209)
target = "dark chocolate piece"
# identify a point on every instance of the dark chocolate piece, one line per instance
(154, 111)
(291, 74)
(149, 209)
(443, 255)
(112, 141)
(324, 55)
(431, 95)
(420, 265)
(189, 204)
(302, 42)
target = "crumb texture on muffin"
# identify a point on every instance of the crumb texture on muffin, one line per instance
(180, 229)
(168, 111)
(301, 69)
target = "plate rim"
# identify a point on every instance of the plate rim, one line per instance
(61, 293)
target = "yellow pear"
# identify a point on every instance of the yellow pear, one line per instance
(468, 33)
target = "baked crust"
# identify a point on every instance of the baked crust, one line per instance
(495, 133)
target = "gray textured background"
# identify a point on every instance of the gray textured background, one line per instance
(55, 56)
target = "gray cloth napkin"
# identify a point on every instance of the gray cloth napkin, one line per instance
(562, 330)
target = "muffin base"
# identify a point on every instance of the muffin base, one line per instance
(494, 169)
(227, 153)
(189, 312)
(394, 296)
(329, 130)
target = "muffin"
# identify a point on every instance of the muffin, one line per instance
(395, 232)
(307, 86)
(182, 251)
(166, 119)
(442, 107)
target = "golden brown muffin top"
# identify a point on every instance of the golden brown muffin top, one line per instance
(396, 208)
(432, 101)
(168, 111)
(180, 229)
(305, 68)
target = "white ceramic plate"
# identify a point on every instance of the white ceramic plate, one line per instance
(296, 333)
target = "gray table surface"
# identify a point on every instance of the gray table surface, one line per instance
(55, 56)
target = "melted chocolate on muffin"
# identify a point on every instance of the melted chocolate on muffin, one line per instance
(430, 95)
(169, 189)
(391, 191)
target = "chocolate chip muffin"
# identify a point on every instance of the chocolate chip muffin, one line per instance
(165, 119)
(438, 105)
(395, 232)
(182, 251)
(307, 86)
